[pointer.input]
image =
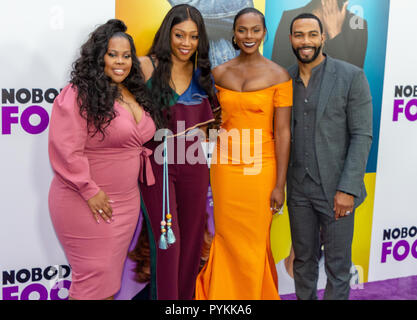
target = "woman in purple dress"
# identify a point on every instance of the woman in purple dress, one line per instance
(178, 74)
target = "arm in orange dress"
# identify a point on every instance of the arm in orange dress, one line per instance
(282, 135)
(67, 138)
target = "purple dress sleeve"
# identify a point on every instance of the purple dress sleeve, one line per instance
(67, 139)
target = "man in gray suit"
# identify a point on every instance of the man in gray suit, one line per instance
(331, 139)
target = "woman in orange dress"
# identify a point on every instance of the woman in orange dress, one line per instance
(248, 175)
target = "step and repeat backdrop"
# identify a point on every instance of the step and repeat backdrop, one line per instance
(41, 39)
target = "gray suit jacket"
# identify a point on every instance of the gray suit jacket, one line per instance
(343, 130)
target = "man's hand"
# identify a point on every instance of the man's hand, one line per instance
(343, 204)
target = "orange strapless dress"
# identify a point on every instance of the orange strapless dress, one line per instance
(243, 175)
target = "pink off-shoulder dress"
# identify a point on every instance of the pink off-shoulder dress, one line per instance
(83, 165)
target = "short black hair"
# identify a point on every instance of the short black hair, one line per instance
(306, 16)
(241, 13)
(249, 10)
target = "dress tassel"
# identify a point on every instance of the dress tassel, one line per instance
(170, 236)
(167, 234)
(163, 242)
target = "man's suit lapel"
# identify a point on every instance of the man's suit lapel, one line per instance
(293, 72)
(328, 82)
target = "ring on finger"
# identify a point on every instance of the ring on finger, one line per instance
(100, 211)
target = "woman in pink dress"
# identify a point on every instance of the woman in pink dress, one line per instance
(99, 124)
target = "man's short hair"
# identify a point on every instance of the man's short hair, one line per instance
(306, 16)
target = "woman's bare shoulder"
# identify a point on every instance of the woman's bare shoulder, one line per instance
(220, 70)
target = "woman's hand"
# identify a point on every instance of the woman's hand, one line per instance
(217, 119)
(100, 206)
(277, 199)
(214, 127)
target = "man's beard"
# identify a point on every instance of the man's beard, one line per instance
(314, 57)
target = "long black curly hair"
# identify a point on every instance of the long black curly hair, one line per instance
(96, 91)
(161, 49)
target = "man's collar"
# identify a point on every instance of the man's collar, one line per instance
(321, 65)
